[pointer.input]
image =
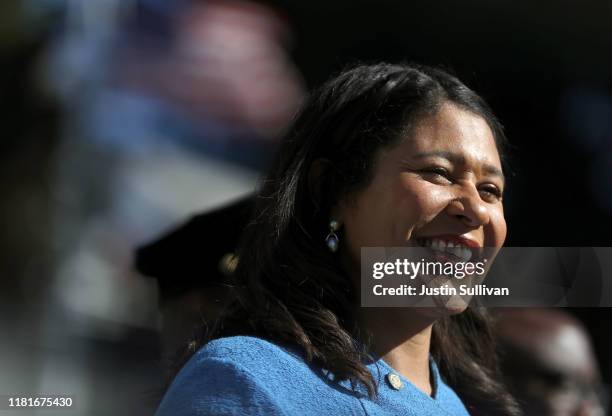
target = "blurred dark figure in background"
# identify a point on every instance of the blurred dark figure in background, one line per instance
(549, 363)
(193, 265)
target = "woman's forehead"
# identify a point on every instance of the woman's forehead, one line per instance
(452, 133)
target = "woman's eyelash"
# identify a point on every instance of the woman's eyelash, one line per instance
(437, 171)
(493, 190)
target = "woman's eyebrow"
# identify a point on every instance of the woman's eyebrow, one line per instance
(458, 159)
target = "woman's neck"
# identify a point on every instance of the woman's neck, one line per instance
(402, 338)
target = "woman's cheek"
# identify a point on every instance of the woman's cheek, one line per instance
(497, 227)
(430, 199)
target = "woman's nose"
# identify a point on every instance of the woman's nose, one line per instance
(469, 207)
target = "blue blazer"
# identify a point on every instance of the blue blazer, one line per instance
(244, 375)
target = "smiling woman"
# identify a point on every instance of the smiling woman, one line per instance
(382, 155)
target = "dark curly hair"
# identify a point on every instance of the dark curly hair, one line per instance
(291, 289)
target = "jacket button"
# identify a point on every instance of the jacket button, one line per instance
(394, 381)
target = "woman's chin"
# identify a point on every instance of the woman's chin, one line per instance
(455, 306)
(444, 306)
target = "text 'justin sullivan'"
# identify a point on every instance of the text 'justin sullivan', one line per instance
(445, 290)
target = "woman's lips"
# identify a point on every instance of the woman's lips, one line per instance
(458, 239)
(454, 247)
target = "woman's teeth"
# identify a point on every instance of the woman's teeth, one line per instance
(436, 244)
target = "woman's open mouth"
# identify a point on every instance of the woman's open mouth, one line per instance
(446, 250)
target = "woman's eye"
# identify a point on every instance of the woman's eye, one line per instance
(490, 193)
(437, 172)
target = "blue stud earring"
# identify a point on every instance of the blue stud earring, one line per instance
(332, 239)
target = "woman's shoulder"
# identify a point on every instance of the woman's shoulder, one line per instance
(247, 375)
(224, 376)
(248, 351)
(264, 361)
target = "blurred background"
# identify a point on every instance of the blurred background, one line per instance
(123, 118)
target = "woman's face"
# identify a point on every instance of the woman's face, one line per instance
(443, 183)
